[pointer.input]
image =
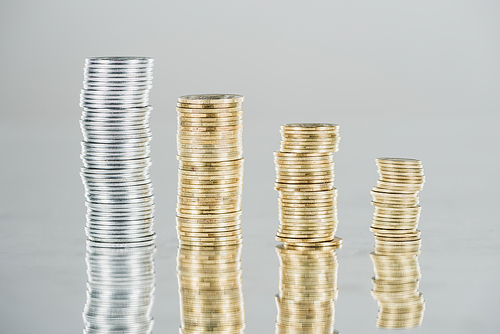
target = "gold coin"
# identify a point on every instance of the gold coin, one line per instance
(381, 193)
(307, 148)
(394, 186)
(210, 158)
(302, 240)
(209, 128)
(215, 218)
(209, 107)
(304, 180)
(303, 167)
(211, 173)
(398, 161)
(209, 151)
(311, 204)
(335, 243)
(310, 127)
(209, 201)
(298, 173)
(231, 207)
(326, 201)
(211, 243)
(312, 219)
(210, 117)
(216, 145)
(225, 125)
(308, 194)
(216, 181)
(401, 172)
(210, 235)
(313, 138)
(303, 187)
(213, 164)
(211, 113)
(211, 98)
(230, 238)
(305, 156)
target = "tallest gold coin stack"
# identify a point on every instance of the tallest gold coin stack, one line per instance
(210, 154)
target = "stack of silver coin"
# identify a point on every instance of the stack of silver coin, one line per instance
(119, 194)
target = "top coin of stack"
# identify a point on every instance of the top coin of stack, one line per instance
(304, 180)
(210, 154)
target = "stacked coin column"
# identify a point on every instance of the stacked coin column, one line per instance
(210, 154)
(307, 289)
(397, 243)
(304, 180)
(119, 197)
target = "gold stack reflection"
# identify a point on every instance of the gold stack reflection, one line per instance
(397, 243)
(307, 289)
(210, 289)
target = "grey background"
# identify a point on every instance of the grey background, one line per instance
(413, 79)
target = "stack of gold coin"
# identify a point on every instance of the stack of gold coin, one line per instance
(210, 154)
(304, 180)
(397, 243)
(210, 289)
(396, 195)
(307, 289)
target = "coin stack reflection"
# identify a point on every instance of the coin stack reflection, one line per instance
(397, 243)
(119, 197)
(210, 289)
(210, 154)
(304, 180)
(307, 289)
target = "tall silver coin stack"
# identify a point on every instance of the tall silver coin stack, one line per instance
(119, 194)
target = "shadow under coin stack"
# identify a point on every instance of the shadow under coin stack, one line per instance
(304, 180)
(307, 289)
(210, 154)
(119, 194)
(397, 243)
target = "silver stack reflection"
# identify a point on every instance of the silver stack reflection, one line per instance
(119, 194)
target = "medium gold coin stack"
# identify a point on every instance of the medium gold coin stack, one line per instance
(307, 289)
(397, 243)
(210, 289)
(304, 180)
(210, 154)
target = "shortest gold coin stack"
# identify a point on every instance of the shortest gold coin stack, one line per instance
(210, 289)
(210, 154)
(304, 180)
(307, 290)
(397, 243)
